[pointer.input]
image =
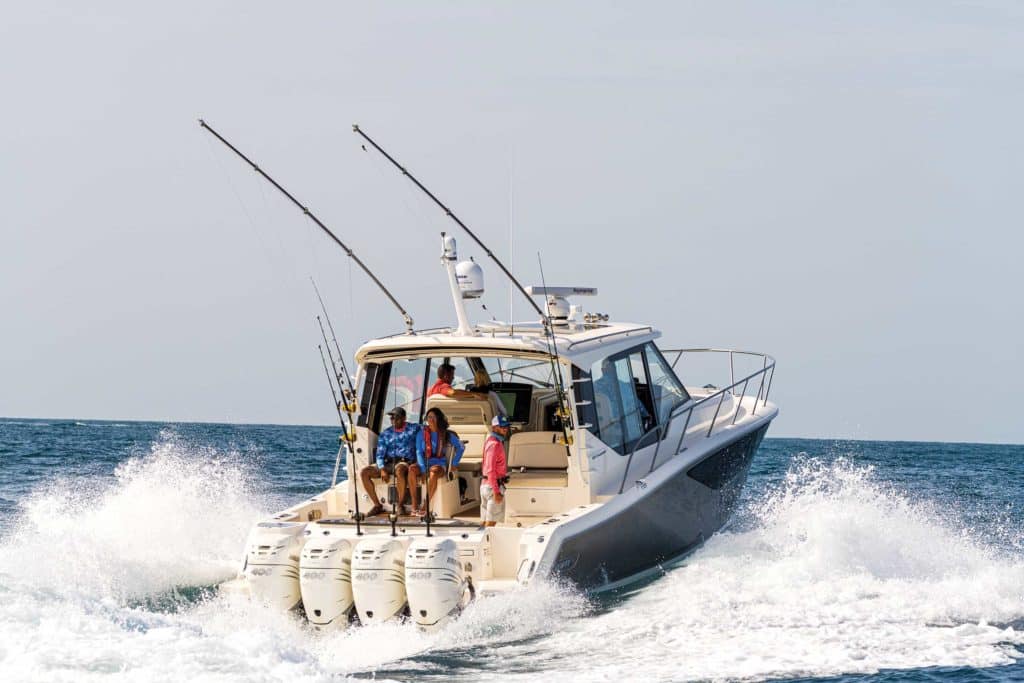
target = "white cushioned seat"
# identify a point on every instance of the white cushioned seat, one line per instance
(536, 459)
(537, 450)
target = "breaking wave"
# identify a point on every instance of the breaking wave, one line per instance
(833, 571)
(168, 519)
(838, 573)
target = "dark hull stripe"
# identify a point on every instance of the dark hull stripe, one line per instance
(663, 525)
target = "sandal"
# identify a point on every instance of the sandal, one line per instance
(375, 510)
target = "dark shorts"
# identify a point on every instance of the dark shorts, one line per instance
(388, 467)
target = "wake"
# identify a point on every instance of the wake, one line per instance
(117, 578)
(840, 573)
(835, 572)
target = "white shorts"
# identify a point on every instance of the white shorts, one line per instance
(491, 510)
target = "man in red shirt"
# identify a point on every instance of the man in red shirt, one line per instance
(443, 385)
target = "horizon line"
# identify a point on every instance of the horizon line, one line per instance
(328, 426)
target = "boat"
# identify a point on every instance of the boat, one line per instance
(621, 462)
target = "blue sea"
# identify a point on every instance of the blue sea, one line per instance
(848, 561)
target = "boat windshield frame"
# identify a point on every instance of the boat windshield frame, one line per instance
(373, 386)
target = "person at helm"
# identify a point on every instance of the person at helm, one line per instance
(443, 385)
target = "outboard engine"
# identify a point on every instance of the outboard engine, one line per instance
(325, 579)
(434, 581)
(378, 578)
(272, 563)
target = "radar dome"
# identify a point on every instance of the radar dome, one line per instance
(470, 277)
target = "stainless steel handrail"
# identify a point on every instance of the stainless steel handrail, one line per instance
(767, 371)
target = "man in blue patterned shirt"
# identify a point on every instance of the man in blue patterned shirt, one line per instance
(396, 453)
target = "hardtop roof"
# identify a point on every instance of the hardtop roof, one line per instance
(574, 344)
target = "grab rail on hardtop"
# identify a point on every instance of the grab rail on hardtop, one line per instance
(766, 372)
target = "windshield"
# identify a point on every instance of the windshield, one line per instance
(510, 383)
(526, 370)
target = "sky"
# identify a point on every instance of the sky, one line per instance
(837, 184)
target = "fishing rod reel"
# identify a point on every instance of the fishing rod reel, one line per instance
(393, 499)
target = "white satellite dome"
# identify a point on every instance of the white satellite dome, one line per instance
(470, 277)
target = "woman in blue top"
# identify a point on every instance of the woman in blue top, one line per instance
(438, 451)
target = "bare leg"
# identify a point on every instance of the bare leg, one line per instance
(366, 474)
(414, 485)
(401, 472)
(436, 472)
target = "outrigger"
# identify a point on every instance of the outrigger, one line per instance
(617, 468)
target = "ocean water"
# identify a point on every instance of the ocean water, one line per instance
(847, 561)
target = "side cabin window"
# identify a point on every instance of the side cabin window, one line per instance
(620, 387)
(405, 388)
(396, 384)
(631, 393)
(666, 390)
(371, 373)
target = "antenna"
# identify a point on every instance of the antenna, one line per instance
(296, 202)
(511, 244)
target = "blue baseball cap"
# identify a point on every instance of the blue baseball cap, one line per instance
(500, 421)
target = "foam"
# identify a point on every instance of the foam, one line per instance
(833, 572)
(840, 574)
(95, 588)
(170, 518)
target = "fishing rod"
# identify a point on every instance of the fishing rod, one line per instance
(426, 488)
(344, 404)
(334, 394)
(341, 357)
(343, 439)
(319, 223)
(448, 212)
(564, 414)
(348, 438)
(545, 318)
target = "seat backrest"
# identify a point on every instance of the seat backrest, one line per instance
(536, 450)
(463, 412)
(470, 419)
